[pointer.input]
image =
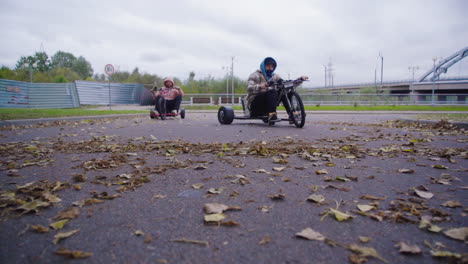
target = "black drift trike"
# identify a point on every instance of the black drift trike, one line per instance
(286, 89)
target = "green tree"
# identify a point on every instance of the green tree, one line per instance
(82, 67)
(60, 79)
(63, 59)
(38, 62)
(7, 73)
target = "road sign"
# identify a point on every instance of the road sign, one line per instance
(109, 69)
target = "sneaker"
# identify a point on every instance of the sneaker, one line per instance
(272, 116)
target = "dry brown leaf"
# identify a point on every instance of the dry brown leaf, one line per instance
(316, 198)
(214, 218)
(73, 254)
(372, 197)
(63, 235)
(279, 168)
(366, 252)
(197, 186)
(191, 241)
(215, 208)
(310, 234)
(457, 233)
(452, 204)
(265, 240)
(320, 172)
(422, 194)
(365, 207)
(69, 213)
(40, 228)
(406, 170)
(410, 249)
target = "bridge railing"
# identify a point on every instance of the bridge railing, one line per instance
(311, 98)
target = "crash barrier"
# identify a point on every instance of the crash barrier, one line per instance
(16, 94)
(104, 93)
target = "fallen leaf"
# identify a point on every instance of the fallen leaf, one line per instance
(59, 224)
(215, 208)
(277, 196)
(191, 241)
(365, 207)
(138, 233)
(229, 223)
(457, 233)
(316, 198)
(34, 205)
(63, 235)
(405, 170)
(40, 228)
(364, 239)
(210, 218)
(410, 249)
(200, 167)
(87, 202)
(371, 197)
(452, 204)
(279, 168)
(322, 171)
(444, 254)
(356, 259)
(265, 240)
(280, 160)
(69, 213)
(310, 234)
(79, 178)
(197, 186)
(261, 171)
(422, 194)
(158, 196)
(366, 252)
(73, 254)
(216, 191)
(51, 198)
(440, 167)
(340, 216)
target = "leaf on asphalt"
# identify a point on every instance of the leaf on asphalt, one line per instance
(59, 224)
(372, 197)
(34, 205)
(158, 196)
(365, 207)
(241, 179)
(422, 194)
(200, 167)
(217, 208)
(197, 186)
(51, 198)
(73, 254)
(366, 252)
(457, 233)
(340, 216)
(265, 208)
(277, 196)
(445, 254)
(63, 235)
(261, 171)
(320, 172)
(79, 178)
(265, 240)
(190, 241)
(356, 259)
(452, 204)
(425, 223)
(214, 218)
(138, 233)
(280, 160)
(229, 223)
(338, 178)
(105, 195)
(440, 167)
(216, 190)
(405, 170)
(408, 249)
(40, 229)
(317, 198)
(364, 239)
(279, 168)
(69, 213)
(310, 234)
(87, 202)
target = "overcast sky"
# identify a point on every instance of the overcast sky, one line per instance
(172, 38)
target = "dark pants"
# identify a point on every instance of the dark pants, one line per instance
(265, 103)
(166, 106)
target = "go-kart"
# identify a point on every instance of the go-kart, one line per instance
(287, 92)
(154, 114)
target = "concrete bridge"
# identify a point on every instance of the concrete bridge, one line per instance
(429, 83)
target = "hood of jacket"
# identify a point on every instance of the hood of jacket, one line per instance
(267, 60)
(168, 79)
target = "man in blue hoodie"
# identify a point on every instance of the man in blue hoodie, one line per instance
(260, 100)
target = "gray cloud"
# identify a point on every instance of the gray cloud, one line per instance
(176, 37)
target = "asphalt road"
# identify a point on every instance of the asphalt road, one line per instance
(158, 217)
